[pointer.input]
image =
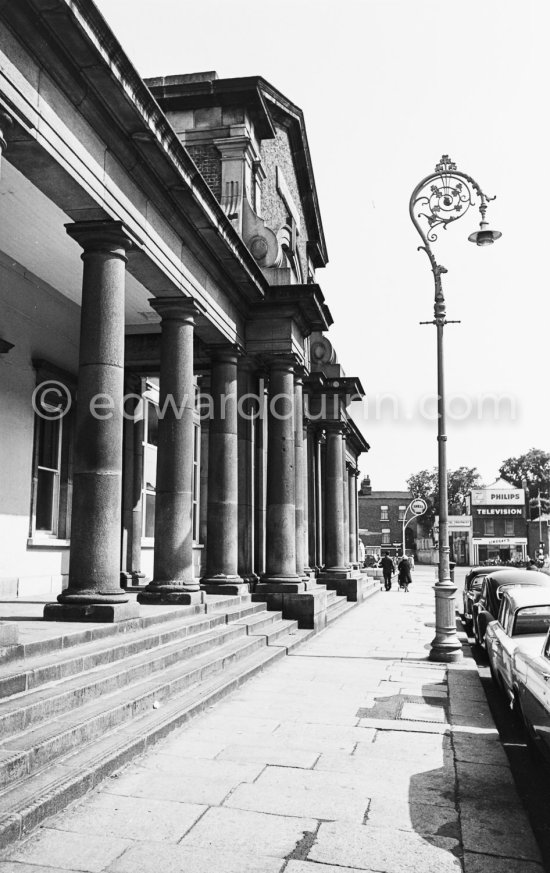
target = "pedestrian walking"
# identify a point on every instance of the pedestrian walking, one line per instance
(388, 569)
(404, 574)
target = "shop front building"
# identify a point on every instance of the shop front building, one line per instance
(499, 533)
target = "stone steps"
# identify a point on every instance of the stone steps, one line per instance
(337, 608)
(29, 801)
(75, 635)
(81, 703)
(99, 676)
(77, 705)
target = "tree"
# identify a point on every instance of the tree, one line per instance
(532, 468)
(459, 482)
(424, 484)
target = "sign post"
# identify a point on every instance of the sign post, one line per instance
(417, 506)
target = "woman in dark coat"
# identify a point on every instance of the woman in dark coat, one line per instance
(404, 574)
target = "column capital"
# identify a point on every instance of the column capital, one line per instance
(228, 353)
(6, 121)
(339, 427)
(111, 237)
(182, 309)
(285, 362)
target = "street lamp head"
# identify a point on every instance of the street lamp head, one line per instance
(484, 236)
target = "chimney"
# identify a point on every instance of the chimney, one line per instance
(366, 489)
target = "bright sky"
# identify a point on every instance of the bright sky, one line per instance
(387, 87)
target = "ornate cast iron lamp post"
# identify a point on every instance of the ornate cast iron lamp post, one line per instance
(438, 200)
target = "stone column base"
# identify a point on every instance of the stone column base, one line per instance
(291, 585)
(339, 573)
(92, 612)
(9, 633)
(224, 585)
(160, 596)
(133, 579)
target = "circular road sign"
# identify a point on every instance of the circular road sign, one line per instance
(419, 506)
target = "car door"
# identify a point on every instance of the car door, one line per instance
(472, 595)
(497, 638)
(534, 683)
(507, 650)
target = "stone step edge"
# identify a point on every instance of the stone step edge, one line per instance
(90, 716)
(101, 631)
(337, 609)
(293, 639)
(93, 648)
(107, 672)
(83, 634)
(79, 777)
(104, 654)
(284, 627)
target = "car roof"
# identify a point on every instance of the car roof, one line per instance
(518, 577)
(522, 595)
(488, 571)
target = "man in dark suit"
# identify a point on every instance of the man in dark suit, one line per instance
(387, 570)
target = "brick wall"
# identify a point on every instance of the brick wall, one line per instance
(276, 153)
(370, 512)
(208, 160)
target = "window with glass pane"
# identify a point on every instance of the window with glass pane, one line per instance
(532, 620)
(383, 513)
(402, 510)
(152, 424)
(47, 482)
(489, 528)
(150, 444)
(509, 528)
(196, 480)
(385, 537)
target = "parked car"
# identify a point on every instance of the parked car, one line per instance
(531, 677)
(522, 625)
(486, 608)
(472, 588)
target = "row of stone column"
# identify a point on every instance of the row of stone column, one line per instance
(291, 510)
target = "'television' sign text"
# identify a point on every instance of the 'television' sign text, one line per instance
(493, 510)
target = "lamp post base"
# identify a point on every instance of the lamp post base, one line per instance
(445, 646)
(443, 655)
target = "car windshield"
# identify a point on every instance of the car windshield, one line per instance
(532, 620)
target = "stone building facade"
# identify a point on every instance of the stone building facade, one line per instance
(174, 416)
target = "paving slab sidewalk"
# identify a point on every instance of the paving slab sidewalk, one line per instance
(355, 753)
